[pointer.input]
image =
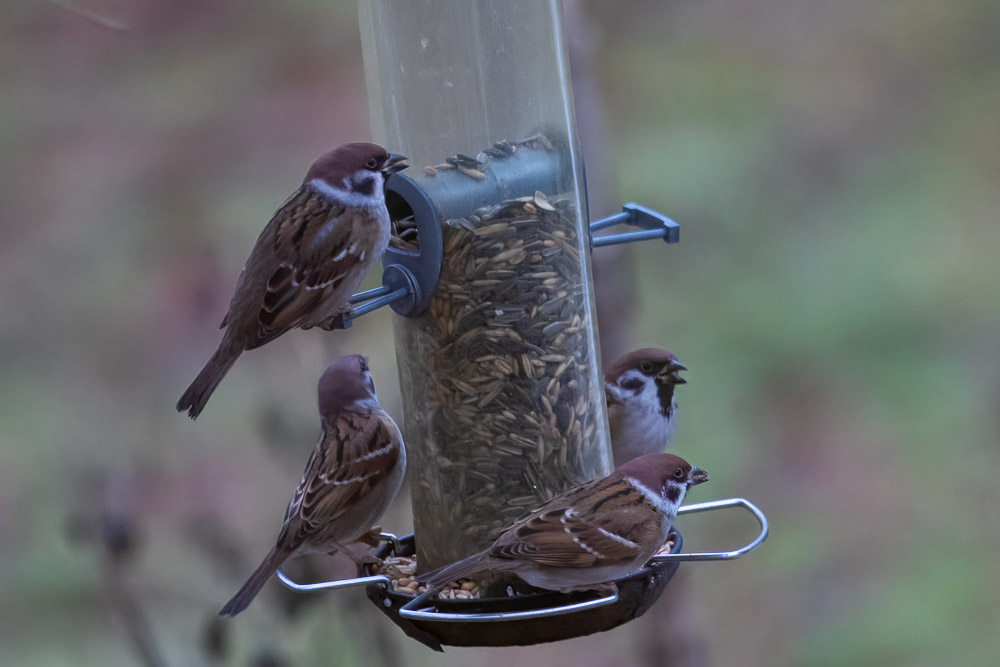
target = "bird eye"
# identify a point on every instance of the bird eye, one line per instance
(646, 366)
(371, 163)
(678, 473)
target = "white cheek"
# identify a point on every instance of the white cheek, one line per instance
(345, 197)
(644, 408)
(649, 395)
(665, 507)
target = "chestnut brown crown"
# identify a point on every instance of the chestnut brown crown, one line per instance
(655, 471)
(344, 384)
(651, 361)
(347, 160)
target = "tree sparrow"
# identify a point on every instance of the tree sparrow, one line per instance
(590, 535)
(308, 261)
(352, 475)
(641, 406)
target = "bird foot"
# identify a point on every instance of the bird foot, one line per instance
(605, 589)
(372, 538)
(334, 323)
(358, 559)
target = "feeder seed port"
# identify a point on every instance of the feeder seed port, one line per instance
(409, 277)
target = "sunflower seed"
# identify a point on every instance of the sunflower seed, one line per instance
(472, 172)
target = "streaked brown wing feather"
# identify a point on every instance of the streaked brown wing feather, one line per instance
(355, 455)
(581, 538)
(311, 258)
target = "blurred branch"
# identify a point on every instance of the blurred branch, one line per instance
(106, 522)
(125, 604)
(92, 16)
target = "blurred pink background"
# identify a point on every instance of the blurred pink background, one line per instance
(835, 170)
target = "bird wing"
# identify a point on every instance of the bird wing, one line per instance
(573, 531)
(312, 243)
(355, 455)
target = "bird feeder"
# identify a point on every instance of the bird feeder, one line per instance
(489, 270)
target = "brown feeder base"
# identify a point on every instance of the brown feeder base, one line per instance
(636, 594)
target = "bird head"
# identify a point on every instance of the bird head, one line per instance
(359, 169)
(346, 384)
(666, 475)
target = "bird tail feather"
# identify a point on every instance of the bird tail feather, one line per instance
(194, 399)
(251, 587)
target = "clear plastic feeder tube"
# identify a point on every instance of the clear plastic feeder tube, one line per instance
(503, 395)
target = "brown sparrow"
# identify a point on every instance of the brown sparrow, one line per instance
(642, 409)
(590, 535)
(352, 475)
(308, 261)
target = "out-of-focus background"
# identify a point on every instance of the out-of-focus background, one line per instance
(835, 167)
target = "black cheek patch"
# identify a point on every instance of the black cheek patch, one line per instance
(633, 385)
(364, 187)
(672, 493)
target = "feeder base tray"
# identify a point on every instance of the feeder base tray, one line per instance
(636, 594)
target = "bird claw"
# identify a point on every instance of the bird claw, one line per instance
(358, 559)
(605, 589)
(371, 559)
(334, 323)
(372, 538)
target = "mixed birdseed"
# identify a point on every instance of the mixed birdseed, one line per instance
(401, 571)
(499, 375)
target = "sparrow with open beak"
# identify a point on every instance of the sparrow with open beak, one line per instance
(308, 261)
(590, 535)
(642, 409)
(352, 476)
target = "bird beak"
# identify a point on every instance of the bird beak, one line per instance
(697, 476)
(394, 163)
(671, 370)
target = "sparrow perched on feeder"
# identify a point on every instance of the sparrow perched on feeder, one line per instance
(352, 475)
(642, 409)
(590, 535)
(308, 261)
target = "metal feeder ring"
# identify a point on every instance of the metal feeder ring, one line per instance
(535, 618)
(539, 617)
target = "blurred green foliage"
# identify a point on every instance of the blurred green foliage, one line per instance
(835, 167)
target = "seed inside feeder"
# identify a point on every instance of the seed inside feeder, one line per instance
(499, 375)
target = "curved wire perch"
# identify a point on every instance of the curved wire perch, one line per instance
(341, 583)
(411, 610)
(380, 579)
(721, 555)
